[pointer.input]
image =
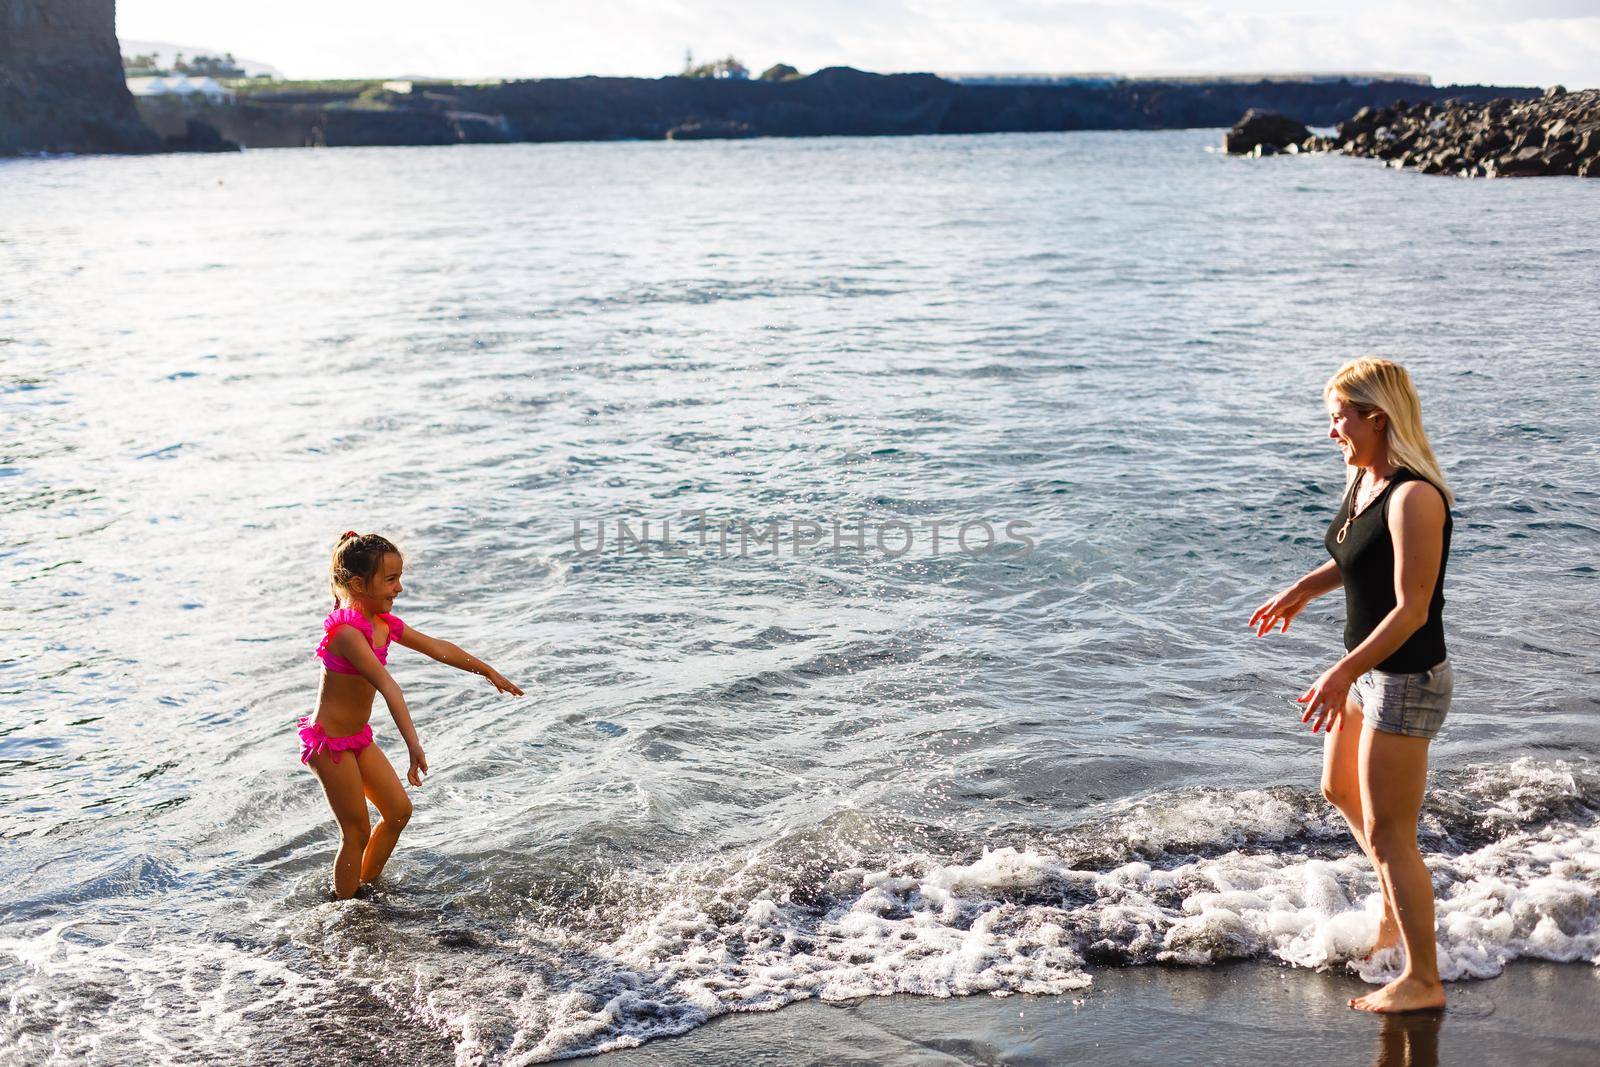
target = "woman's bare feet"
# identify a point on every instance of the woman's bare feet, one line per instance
(1406, 993)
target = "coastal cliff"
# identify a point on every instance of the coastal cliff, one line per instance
(837, 101)
(61, 83)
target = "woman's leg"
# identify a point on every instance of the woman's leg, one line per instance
(342, 783)
(1341, 785)
(389, 797)
(1393, 770)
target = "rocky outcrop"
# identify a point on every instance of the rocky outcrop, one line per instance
(837, 101)
(199, 136)
(61, 83)
(713, 130)
(1259, 131)
(181, 126)
(1557, 134)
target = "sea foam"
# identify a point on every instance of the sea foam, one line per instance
(842, 910)
(1206, 875)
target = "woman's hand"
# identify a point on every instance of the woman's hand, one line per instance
(501, 683)
(1281, 608)
(419, 767)
(1326, 698)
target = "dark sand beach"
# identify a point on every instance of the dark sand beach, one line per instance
(1247, 1012)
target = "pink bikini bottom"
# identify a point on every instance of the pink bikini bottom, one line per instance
(314, 741)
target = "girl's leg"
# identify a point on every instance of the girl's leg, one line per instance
(1393, 770)
(342, 783)
(1341, 784)
(383, 786)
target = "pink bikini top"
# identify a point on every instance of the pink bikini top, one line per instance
(353, 617)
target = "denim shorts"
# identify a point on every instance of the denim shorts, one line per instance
(1411, 704)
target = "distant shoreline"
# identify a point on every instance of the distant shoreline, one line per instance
(837, 101)
(63, 89)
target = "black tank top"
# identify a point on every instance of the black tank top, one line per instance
(1366, 564)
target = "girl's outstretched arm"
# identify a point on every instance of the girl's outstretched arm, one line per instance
(454, 655)
(348, 642)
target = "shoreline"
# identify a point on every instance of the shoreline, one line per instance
(1238, 1012)
(834, 101)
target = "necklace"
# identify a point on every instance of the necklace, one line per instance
(1358, 508)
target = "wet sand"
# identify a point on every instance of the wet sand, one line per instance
(1244, 1013)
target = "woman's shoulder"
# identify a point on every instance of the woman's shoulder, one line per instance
(1409, 480)
(1418, 494)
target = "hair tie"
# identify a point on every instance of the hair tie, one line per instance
(348, 533)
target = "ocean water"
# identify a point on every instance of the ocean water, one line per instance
(756, 763)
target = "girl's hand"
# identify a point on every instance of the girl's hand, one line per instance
(1326, 698)
(501, 683)
(419, 767)
(1280, 609)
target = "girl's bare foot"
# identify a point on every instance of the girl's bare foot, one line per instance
(1406, 993)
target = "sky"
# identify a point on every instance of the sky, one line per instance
(1505, 42)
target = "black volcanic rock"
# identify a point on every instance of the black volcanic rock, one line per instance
(1263, 129)
(61, 82)
(1556, 134)
(198, 136)
(1525, 163)
(711, 130)
(1561, 160)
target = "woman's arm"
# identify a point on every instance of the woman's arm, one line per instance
(454, 655)
(1325, 579)
(1287, 604)
(348, 642)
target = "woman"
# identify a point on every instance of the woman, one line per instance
(1387, 697)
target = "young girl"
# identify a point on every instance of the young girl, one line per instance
(355, 648)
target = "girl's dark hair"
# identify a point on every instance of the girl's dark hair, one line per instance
(357, 556)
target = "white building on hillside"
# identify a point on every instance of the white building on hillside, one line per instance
(183, 87)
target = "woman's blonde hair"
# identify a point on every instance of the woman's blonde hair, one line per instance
(1374, 385)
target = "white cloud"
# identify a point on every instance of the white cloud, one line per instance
(1527, 42)
(1515, 10)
